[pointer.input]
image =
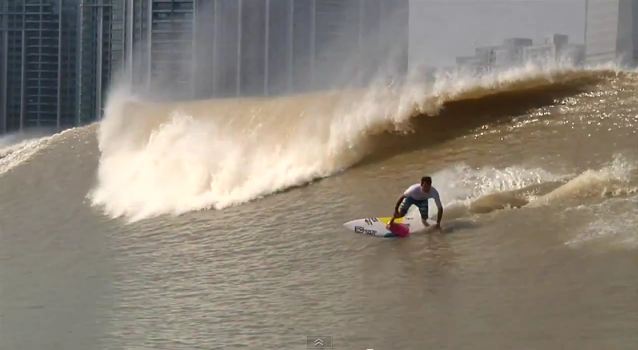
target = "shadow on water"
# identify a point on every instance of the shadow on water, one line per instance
(453, 226)
(458, 225)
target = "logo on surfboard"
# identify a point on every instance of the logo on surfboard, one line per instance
(360, 229)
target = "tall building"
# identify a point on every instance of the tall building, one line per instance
(368, 35)
(611, 33)
(37, 64)
(56, 61)
(261, 47)
(98, 26)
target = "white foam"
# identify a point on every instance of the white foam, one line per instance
(461, 185)
(463, 182)
(609, 181)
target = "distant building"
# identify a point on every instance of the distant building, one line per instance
(486, 55)
(574, 54)
(56, 61)
(472, 64)
(98, 34)
(266, 47)
(37, 64)
(517, 51)
(487, 58)
(153, 42)
(555, 49)
(511, 53)
(611, 33)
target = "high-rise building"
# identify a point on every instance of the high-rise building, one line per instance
(56, 61)
(261, 47)
(153, 43)
(611, 33)
(37, 64)
(99, 31)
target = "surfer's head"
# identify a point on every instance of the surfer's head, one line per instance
(426, 183)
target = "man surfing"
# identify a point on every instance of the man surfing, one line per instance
(418, 194)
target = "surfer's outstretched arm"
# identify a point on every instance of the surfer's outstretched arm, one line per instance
(396, 209)
(439, 212)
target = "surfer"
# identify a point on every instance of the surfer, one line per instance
(418, 194)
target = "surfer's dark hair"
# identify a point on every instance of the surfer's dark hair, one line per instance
(427, 180)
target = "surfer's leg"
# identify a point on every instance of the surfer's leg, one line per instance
(403, 207)
(423, 210)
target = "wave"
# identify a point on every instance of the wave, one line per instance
(468, 191)
(16, 150)
(479, 191)
(170, 158)
(613, 180)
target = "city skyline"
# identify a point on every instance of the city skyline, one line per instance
(444, 30)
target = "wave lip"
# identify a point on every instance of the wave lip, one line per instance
(18, 153)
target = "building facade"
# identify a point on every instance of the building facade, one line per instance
(611, 33)
(37, 64)
(98, 26)
(56, 61)
(221, 48)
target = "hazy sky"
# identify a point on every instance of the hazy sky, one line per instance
(440, 30)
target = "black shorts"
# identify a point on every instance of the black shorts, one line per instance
(408, 201)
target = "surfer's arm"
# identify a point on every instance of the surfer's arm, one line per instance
(439, 216)
(396, 209)
(439, 212)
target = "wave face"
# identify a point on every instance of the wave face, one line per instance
(170, 158)
(15, 149)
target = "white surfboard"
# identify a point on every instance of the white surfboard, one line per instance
(376, 226)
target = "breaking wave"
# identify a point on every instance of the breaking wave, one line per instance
(170, 158)
(477, 191)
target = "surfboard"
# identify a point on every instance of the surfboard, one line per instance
(377, 227)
